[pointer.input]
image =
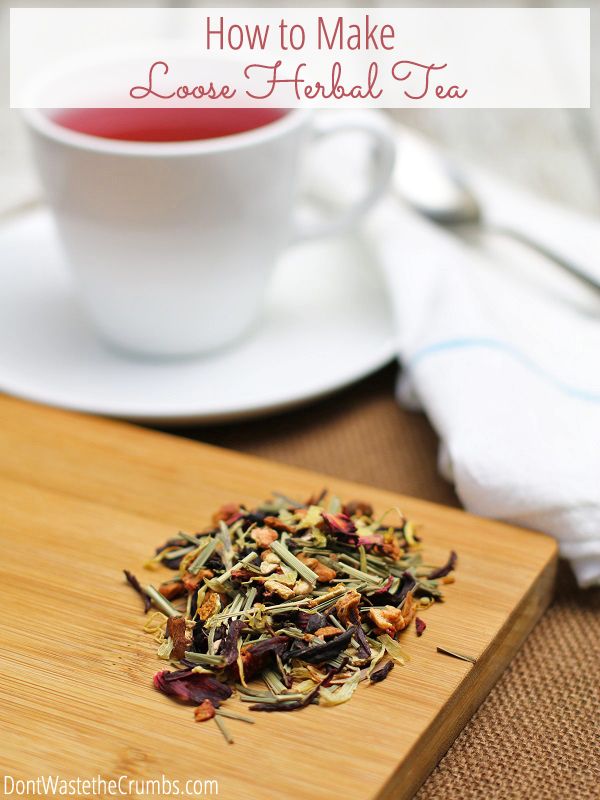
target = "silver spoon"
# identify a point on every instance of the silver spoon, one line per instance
(436, 188)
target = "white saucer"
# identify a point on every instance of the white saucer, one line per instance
(326, 324)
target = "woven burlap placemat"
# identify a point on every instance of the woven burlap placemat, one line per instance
(537, 734)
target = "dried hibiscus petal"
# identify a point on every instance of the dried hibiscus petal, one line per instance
(364, 651)
(448, 567)
(200, 638)
(191, 687)
(255, 657)
(339, 523)
(370, 540)
(408, 584)
(135, 584)
(420, 625)
(230, 646)
(310, 622)
(381, 674)
(384, 586)
(320, 653)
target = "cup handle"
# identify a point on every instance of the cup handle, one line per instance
(382, 160)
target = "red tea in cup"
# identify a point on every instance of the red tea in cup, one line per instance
(165, 124)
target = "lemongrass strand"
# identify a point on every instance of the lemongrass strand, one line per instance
(290, 559)
(240, 564)
(357, 573)
(223, 728)
(204, 659)
(232, 715)
(161, 602)
(202, 557)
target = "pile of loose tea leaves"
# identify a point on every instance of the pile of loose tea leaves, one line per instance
(287, 604)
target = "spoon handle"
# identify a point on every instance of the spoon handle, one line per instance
(551, 255)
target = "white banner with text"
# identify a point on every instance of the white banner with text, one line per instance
(300, 57)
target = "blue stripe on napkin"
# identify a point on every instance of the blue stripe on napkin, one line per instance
(504, 347)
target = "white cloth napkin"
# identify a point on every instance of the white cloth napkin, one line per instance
(502, 352)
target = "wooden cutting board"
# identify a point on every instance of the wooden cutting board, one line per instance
(81, 498)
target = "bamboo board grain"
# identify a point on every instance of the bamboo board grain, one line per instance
(81, 498)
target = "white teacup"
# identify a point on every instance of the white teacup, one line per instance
(171, 244)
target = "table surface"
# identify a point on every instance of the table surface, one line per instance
(98, 502)
(536, 734)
